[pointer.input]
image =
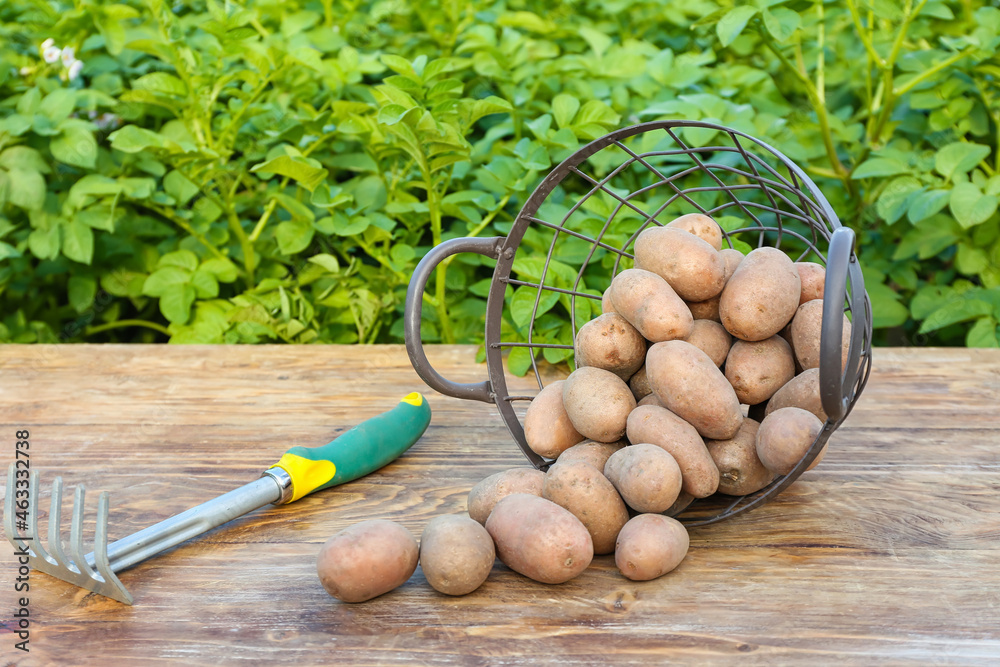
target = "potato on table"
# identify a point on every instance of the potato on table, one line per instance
(584, 490)
(762, 295)
(610, 342)
(366, 560)
(456, 554)
(784, 437)
(740, 470)
(594, 453)
(661, 427)
(689, 264)
(712, 339)
(759, 369)
(597, 402)
(650, 304)
(650, 545)
(539, 539)
(647, 477)
(547, 428)
(807, 329)
(802, 391)
(702, 226)
(485, 495)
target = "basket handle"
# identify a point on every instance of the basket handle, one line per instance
(476, 391)
(831, 370)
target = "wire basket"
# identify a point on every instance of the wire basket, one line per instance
(577, 231)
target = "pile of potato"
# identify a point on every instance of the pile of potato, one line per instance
(690, 340)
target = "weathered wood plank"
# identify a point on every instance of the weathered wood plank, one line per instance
(885, 554)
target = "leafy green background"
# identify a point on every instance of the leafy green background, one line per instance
(273, 171)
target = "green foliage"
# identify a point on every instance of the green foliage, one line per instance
(274, 171)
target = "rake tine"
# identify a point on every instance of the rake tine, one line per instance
(55, 523)
(101, 548)
(33, 518)
(76, 534)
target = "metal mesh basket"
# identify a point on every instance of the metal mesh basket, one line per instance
(577, 231)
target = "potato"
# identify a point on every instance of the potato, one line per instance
(813, 277)
(539, 539)
(681, 504)
(647, 477)
(807, 328)
(456, 554)
(700, 225)
(712, 339)
(761, 297)
(784, 437)
(650, 545)
(639, 383)
(485, 495)
(366, 560)
(689, 264)
(661, 427)
(650, 399)
(597, 402)
(594, 453)
(740, 470)
(606, 306)
(650, 305)
(705, 310)
(802, 391)
(610, 342)
(547, 427)
(688, 382)
(757, 370)
(732, 258)
(584, 490)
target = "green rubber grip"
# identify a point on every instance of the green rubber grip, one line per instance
(367, 447)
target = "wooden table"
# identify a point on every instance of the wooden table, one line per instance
(887, 553)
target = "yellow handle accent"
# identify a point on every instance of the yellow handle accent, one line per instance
(307, 475)
(414, 398)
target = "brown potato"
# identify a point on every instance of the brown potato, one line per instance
(761, 297)
(649, 303)
(366, 560)
(802, 391)
(597, 402)
(757, 370)
(650, 399)
(594, 453)
(650, 545)
(732, 258)
(606, 306)
(784, 437)
(740, 470)
(639, 383)
(456, 554)
(688, 382)
(681, 504)
(484, 496)
(584, 490)
(647, 477)
(661, 427)
(705, 310)
(813, 277)
(712, 339)
(539, 539)
(807, 329)
(610, 342)
(689, 264)
(547, 427)
(700, 225)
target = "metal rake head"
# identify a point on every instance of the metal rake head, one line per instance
(90, 571)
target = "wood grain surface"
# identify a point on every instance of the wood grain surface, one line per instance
(888, 553)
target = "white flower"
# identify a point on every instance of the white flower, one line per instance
(25, 71)
(68, 56)
(74, 69)
(51, 54)
(47, 43)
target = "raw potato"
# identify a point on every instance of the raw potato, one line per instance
(597, 402)
(802, 391)
(610, 342)
(484, 496)
(784, 437)
(585, 491)
(761, 297)
(692, 266)
(813, 277)
(456, 554)
(681, 504)
(650, 399)
(701, 226)
(650, 545)
(650, 305)
(539, 539)
(712, 339)
(705, 310)
(606, 306)
(594, 453)
(661, 427)
(758, 370)
(688, 382)
(732, 257)
(639, 383)
(740, 470)
(647, 477)
(547, 427)
(366, 560)
(807, 328)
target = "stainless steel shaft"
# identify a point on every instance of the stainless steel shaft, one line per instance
(170, 532)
